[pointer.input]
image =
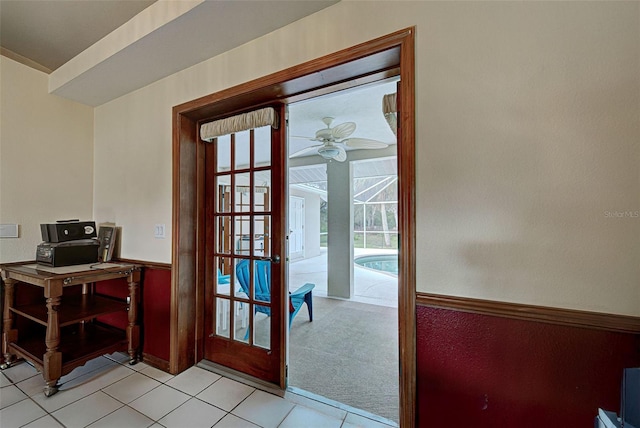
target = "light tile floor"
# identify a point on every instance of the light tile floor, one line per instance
(108, 392)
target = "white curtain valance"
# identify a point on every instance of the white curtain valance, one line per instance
(242, 122)
(390, 109)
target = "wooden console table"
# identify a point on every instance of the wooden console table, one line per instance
(71, 335)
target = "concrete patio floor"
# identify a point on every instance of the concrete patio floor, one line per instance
(370, 286)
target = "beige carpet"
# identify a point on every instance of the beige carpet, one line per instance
(349, 353)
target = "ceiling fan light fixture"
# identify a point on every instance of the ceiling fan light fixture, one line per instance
(328, 152)
(332, 139)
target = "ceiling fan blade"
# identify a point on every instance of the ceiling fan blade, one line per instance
(342, 156)
(302, 136)
(343, 130)
(364, 143)
(305, 150)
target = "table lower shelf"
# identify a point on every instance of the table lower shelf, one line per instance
(73, 309)
(78, 344)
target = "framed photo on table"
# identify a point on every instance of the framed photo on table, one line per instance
(107, 239)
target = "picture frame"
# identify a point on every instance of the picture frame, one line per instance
(107, 239)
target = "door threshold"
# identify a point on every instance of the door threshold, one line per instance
(241, 377)
(338, 405)
(293, 394)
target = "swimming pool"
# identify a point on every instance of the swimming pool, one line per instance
(383, 262)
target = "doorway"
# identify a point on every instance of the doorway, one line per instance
(372, 61)
(349, 353)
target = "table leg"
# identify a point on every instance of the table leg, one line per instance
(9, 334)
(133, 330)
(85, 298)
(52, 360)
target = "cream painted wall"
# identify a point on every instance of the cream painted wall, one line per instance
(527, 143)
(46, 158)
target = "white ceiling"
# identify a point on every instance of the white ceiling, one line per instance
(51, 32)
(150, 43)
(362, 105)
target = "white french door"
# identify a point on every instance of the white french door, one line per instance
(296, 227)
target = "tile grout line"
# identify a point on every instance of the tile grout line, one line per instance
(85, 396)
(160, 383)
(258, 387)
(287, 415)
(157, 421)
(48, 413)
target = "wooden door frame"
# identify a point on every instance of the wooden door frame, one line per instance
(387, 56)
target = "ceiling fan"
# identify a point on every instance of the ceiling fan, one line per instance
(332, 139)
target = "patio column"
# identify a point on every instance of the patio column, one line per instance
(340, 234)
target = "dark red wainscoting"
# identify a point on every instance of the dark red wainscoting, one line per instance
(156, 312)
(154, 309)
(114, 288)
(487, 371)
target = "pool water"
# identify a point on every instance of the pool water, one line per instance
(382, 262)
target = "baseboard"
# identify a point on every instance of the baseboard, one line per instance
(156, 362)
(568, 317)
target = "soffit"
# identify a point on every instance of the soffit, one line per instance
(166, 37)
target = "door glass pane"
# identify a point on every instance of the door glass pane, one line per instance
(241, 331)
(262, 327)
(261, 230)
(223, 279)
(242, 150)
(242, 193)
(222, 317)
(223, 150)
(223, 235)
(261, 192)
(262, 146)
(223, 187)
(243, 282)
(242, 235)
(262, 280)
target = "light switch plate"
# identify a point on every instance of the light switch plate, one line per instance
(8, 230)
(159, 231)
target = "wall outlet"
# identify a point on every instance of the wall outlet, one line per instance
(159, 231)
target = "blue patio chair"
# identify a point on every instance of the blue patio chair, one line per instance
(223, 279)
(262, 284)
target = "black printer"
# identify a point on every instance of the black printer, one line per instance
(68, 242)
